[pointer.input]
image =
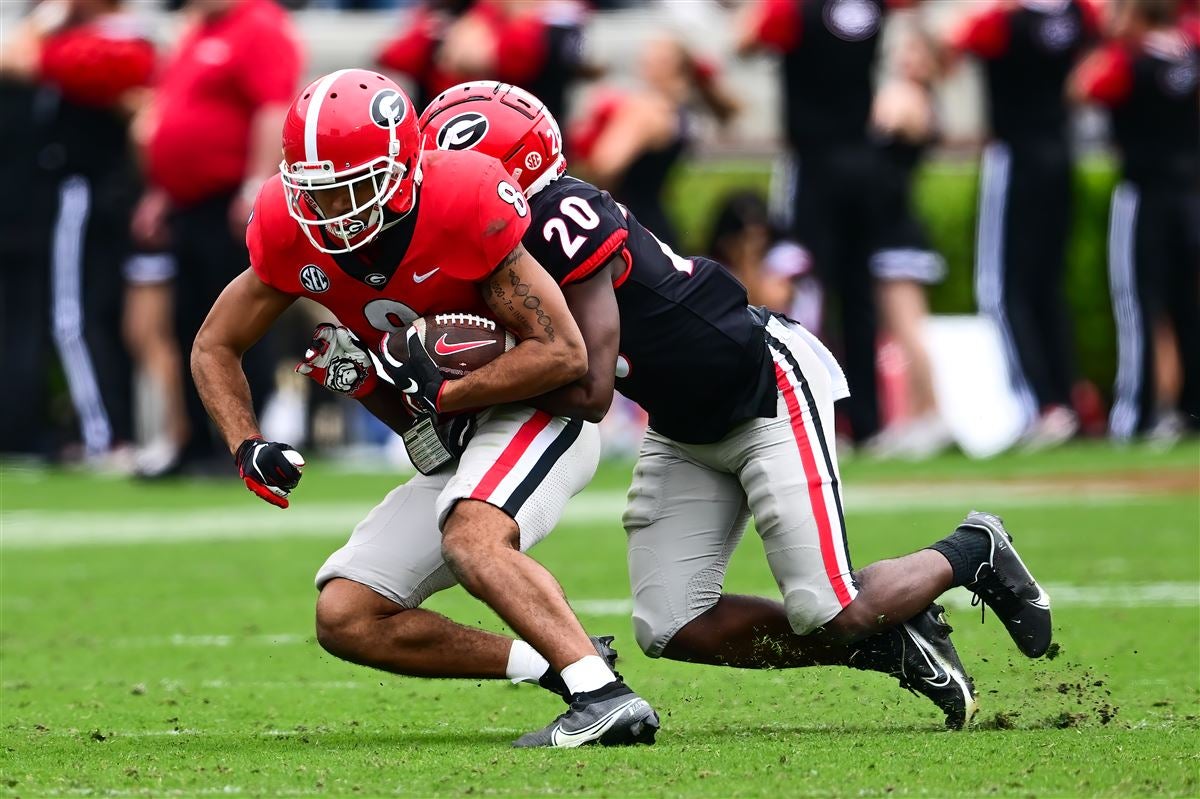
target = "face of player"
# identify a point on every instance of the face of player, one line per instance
(359, 197)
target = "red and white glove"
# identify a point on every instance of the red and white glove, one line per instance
(337, 360)
(269, 469)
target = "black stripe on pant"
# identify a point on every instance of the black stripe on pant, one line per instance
(542, 468)
(779, 347)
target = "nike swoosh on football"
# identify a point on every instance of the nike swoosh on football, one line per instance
(443, 347)
(564, 738)
(422, 278)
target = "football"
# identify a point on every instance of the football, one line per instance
(459, 343)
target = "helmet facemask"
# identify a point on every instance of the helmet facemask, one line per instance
(364, 189)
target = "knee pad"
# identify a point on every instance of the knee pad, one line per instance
(804, 610)
(649, 637)
(654, 624)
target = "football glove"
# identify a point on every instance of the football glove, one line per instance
(418, 377)
(337, 360)
(431, 446)
(269, 469)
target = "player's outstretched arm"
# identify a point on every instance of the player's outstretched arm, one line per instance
(593, 304)
(240, 316)
(525, 299)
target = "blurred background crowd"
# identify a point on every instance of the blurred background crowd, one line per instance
(1029, 170)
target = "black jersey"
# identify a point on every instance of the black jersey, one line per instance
(1026, 81)
(1158, 127)
(828, 75)
(692, 353)
(643, 184)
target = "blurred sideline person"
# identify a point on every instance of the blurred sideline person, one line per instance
(827, 53)
(628, 142)
(903, 118)
(28, 158)
(777, 273)
(148, 326)
(94, 56)
(1028, 48)
(378, 232)
(148, 330)
(739, 239)
(212, 137)
(1149, 80)
(741, 414)
(536, 44)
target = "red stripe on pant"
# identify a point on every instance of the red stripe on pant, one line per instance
(511, 455)
(816, 487)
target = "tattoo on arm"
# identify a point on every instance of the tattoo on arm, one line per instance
(517, 299)
(512, 257)
(531, 302)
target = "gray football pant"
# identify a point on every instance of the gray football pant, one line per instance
(689, 504)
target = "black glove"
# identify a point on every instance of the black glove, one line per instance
(431, 446)
(269, 469)
(456, 433)
(418, 377)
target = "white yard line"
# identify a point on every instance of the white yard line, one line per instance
(44, 529)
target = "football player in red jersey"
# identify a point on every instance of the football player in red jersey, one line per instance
(363, 222)
(661, 328)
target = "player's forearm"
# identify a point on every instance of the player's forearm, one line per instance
(576, 401)
(222, 386)
(386, 403)
(588, 398)
(530, 370)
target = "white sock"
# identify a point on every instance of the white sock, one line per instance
(587, 674)
(524, 663)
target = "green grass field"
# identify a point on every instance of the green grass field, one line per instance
(158, 641)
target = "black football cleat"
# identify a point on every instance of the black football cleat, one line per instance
(1005, 585)
(929, 666)
(552, 681)
(611, 716)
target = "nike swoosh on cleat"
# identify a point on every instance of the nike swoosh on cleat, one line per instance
(422, 278)
(565, 738)
(443, 347)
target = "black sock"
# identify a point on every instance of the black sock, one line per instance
(966, 549)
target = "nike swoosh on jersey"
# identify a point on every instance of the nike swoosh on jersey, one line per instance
(422, 278)
(564, 738)
(443, 347)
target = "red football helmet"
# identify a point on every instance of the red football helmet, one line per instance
(502, 121)
(351, 148)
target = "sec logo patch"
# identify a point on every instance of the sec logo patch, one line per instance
(313, 279)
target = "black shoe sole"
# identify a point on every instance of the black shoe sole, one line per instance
(641, 731)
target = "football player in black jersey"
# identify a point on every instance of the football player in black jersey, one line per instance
(741, 415)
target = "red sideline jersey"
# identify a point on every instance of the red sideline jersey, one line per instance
(468, 216)
(94, 64)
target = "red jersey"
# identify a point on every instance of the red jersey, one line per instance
(468, 216)
(96, 63)
(224, 69)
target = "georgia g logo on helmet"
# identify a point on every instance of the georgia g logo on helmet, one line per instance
(387, 108)
(462, 132)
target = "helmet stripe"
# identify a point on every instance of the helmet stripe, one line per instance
(314, 113)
